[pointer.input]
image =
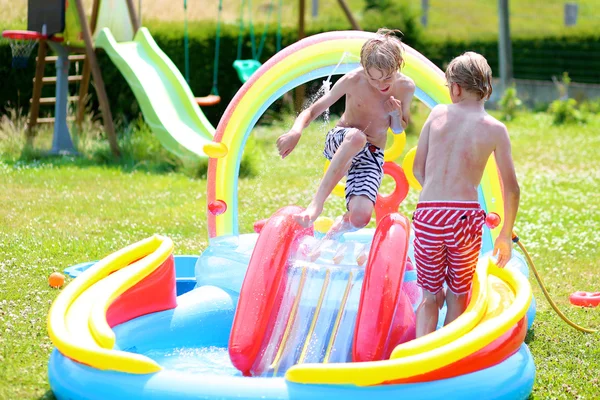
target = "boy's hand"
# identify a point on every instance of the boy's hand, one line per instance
(287, 142)
(502, 250)
(393, 106)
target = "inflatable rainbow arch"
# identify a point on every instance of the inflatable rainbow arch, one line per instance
(111, 325)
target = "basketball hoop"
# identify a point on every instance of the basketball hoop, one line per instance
(22, 44)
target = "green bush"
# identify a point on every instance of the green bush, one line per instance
(565, 112)
(390, 14)
(377, 4)
(534, 58)
(590, 107)
(510, 103)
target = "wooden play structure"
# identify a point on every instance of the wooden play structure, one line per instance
(61, 26)
(165, 99)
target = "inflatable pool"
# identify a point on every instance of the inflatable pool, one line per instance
(254, 317)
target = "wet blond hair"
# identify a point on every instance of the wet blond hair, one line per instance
(383, 52)
(471, 72)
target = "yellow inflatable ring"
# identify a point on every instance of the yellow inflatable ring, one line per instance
(407, 166)
(393, 152)
(339, 189)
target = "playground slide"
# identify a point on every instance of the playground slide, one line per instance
(292, 311)
(166, 100)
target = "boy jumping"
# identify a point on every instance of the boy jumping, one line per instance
(454, 147)
(378, 97)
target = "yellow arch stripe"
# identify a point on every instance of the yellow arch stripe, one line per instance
(492, 193)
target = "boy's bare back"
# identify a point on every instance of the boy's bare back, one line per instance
(460, 140)
(457, 141)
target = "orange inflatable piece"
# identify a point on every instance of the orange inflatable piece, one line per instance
(389, 204)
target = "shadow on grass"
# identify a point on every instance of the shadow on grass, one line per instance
(34, 158)
(530, 337)
(47, 396)
(139, 147)
(128, 162)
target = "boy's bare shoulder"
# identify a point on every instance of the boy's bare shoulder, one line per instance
(438, 110)
(494, 126)
(356, 75)
(496, 131)
(405, 82)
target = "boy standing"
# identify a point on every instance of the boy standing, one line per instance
(453, 150)
(378, 97)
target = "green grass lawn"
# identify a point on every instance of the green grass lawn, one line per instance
(58, 213)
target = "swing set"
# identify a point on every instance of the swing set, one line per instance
(244, 67)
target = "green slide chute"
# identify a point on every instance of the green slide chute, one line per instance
(166, 100)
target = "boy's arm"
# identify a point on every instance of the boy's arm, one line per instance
(400, 107)
(511, 192)
(406, 100)
(422, 149)
(288, 141)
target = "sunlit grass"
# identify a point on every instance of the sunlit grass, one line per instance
(455, 18)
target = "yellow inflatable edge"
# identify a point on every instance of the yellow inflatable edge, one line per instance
(377, 372)
(80, 349)
(118, 283)
(457, 328)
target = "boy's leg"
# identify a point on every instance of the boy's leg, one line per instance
(360, 210)
(427, 313)
(354, 141)
(431, 260)
(463, 254)
(457, 304)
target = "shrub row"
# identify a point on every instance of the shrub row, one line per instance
(533, 58)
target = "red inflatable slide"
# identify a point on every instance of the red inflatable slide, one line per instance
(263, 286)
(385, 316)
(384, 313)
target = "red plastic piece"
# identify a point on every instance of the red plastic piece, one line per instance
(258, 225)
(217, 207)
(210, 100)
(492, 220)
(263, 287)
(56, 279)
(156, 292)
(404, 325)
(492, 354)
(381, 289)
(28, 35)
(389, 204)
(585, 299)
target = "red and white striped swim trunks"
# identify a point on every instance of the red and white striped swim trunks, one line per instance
(447, 244)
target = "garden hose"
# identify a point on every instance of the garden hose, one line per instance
(516, 240)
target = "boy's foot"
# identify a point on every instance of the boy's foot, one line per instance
(308, 216)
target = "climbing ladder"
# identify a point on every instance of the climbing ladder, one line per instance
(40, 80)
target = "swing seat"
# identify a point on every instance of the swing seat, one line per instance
(245, 68)
(209, 100)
